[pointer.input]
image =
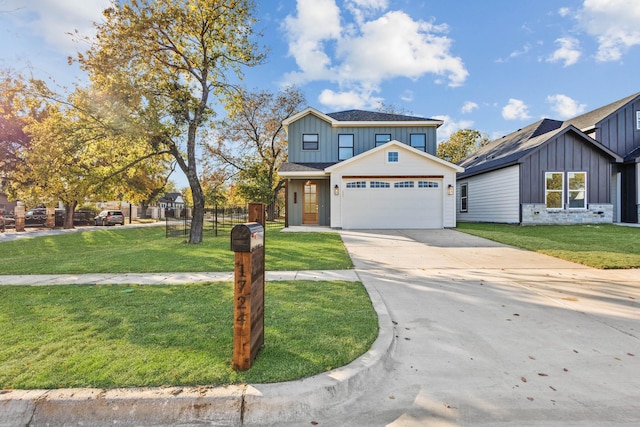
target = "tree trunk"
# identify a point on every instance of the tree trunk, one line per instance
(197, 216)
(69, 209)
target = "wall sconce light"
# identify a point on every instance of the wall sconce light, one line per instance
(450, 190)
(336, 190)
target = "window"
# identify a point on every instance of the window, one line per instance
(345, 146)
(403, 184)
(382, 138)
(427, 184)
(419, 141)
(577, 190)
(392, 157)
(310, 141)
(357, 184)
(464, 197)
(554, 189)
(638, 120)
(379, 184)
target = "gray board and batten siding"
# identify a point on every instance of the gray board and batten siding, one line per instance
(364, 138)
(567, 151)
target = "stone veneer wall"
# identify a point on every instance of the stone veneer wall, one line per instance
(594, 214)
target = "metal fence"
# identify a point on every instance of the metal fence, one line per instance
(217, 222)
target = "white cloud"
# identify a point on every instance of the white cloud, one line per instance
(569, 51)
(614, 23)
(53, 19)
(469, 106)
(407, 96)
(450, 126)
(348, 99)
(564, 11)
(516, 53)
(515, 110)
(564, 106)
(329, 47)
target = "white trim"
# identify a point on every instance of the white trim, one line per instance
(387, 146)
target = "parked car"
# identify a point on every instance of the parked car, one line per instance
(109, 217)
(37, 216)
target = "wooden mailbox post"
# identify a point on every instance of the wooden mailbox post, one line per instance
(247, 241)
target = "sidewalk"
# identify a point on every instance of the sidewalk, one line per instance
(167, 278)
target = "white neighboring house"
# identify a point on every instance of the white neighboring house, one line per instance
(359, 169)
(171, 204)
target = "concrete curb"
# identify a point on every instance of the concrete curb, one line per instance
(232, 405)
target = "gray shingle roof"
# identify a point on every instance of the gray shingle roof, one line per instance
(305, 167)
(588, 120)
(510, 148)
(372, 116)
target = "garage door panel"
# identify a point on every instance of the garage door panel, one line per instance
(393, 207)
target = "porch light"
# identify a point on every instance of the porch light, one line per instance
(336, 190)
(450, 190)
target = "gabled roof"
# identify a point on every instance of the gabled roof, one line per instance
(587, 121)
(508, 149)
(397, 144)
(361, 118)
(513, 148)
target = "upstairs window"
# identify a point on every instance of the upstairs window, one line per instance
(310, 141)
(382, 138)
(638, 120)
(345, 146)
(554, 189)
(392, 157)
(419, 141)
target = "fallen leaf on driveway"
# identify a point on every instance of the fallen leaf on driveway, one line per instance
(542, 374)
(523, 379)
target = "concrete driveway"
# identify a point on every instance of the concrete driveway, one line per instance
(492, 335)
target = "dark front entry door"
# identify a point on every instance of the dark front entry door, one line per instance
(629, 210)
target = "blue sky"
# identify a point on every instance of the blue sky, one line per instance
(492, 66)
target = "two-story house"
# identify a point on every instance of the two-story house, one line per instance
(359, 169)
(582, 170)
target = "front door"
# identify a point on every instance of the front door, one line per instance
(310, 203)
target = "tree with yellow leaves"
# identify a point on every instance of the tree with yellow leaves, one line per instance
(170, 60)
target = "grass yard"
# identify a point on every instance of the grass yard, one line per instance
(146, 250)
(122, 336)
(603, 246)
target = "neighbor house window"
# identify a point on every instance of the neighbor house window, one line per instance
(392, 157)
(419, 141)
(464, 197)
(345, 146)
(638, 120)
(382, 138)
(554, 189)
(577, 190)
(310, 141)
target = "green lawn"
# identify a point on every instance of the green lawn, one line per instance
(147, 250)
(602, 246)
(121, 336)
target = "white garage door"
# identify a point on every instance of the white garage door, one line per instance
(392, 203)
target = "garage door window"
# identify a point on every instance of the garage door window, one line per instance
(357, 184)
(427, 184)
(379, 184)
(403, 184)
